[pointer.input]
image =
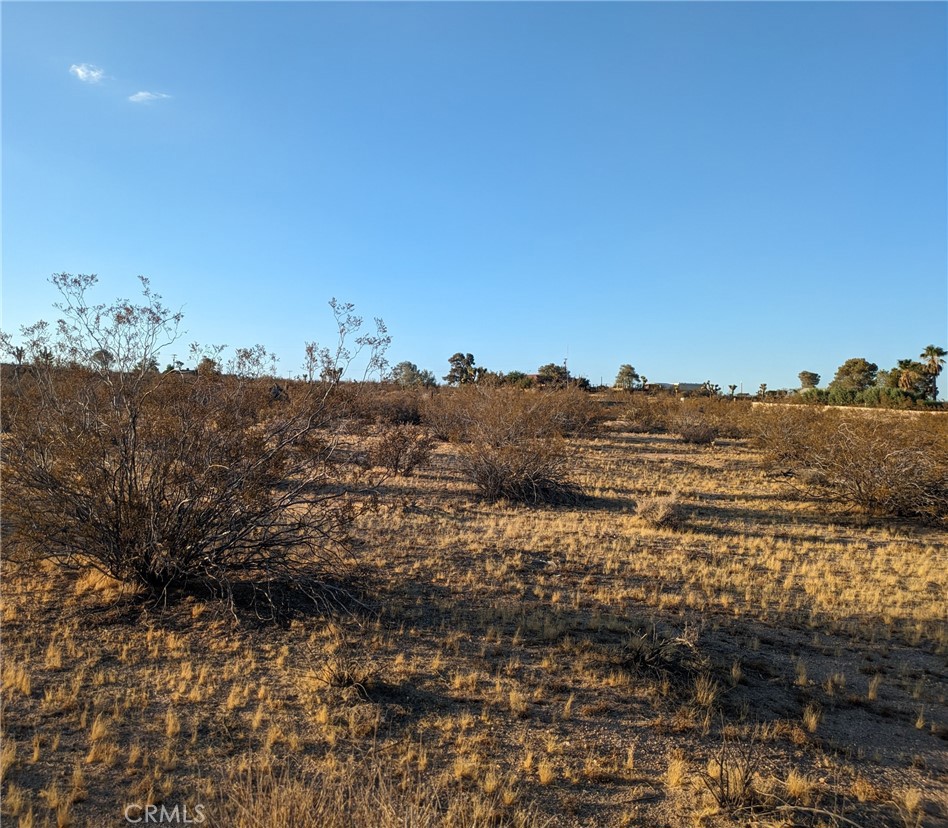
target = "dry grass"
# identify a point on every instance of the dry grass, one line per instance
(569, 666)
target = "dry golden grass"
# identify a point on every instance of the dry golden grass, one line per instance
(562, 666)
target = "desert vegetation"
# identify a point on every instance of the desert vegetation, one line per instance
(249, 600)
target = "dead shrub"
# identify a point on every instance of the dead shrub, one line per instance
(786, 433)
(398, 407)
(511, 444)
(401, 449)
(881, 463)
(575, 413)
(443, 413)
(882, 466)
(695, 428)
(728, 417)
(661, 512)
(647, 414)
(531, 471)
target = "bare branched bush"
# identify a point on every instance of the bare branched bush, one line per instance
(444, 414)
(728, 417)
(380, 404)
(786, 433)
(575, 413)
(401, 449)
(511, 444)
(884, 467)
(881, 463)
(666, 655)
(167, 481)
(400, 407)
(649, 414)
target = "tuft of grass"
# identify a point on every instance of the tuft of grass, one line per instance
(677, 771)
(705, 690)
(731, 775)
(812, 715)
(799, 786)
(661, 511)
(7, 757)
(16, 676)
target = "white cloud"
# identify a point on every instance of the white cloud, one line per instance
(87, 73)
(147, 97)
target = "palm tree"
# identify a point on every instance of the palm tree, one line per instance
(934, 362)
(908, 375)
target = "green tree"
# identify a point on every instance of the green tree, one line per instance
(462, 370)
(908, 376)
(627, 378)
(409, 375)
(934, 358)
(856, 374)
(808, 379)
(518, 379)
(148, 364)
(553, 375)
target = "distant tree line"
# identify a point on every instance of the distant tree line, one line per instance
(860, 382)
(856, 382)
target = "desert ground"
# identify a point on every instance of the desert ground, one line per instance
(752, 656)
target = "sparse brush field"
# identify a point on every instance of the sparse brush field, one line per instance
(694, 636)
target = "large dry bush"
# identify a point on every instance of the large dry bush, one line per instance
(885, 467)
(575, 412)
(375, 403)
(661, 511)
(650, 414)
(787, 433)
(510, 441)
(727, 417)
(696, 419)
(400, 448)
(885, 464)
(171, 480)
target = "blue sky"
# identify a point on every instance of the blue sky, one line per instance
(724, 191)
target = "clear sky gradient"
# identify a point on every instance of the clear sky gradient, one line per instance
(724, 191)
